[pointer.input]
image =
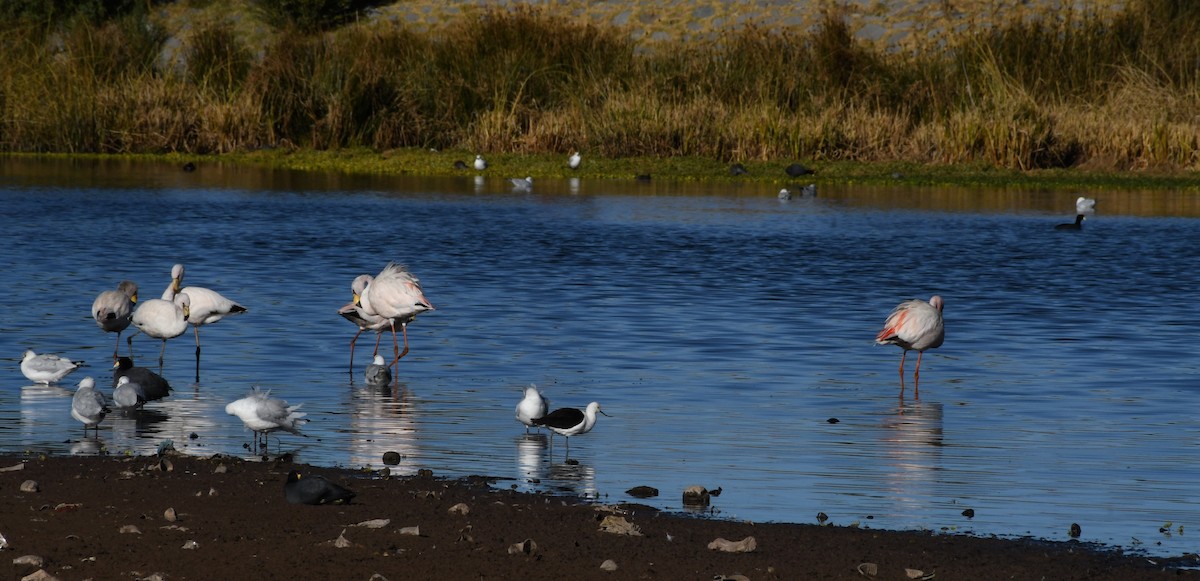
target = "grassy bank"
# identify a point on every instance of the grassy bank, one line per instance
(1077, 91)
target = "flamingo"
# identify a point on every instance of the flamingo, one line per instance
(352, 312)
(113, 309)
(914, 325)
(396, 296)
(569, 422)
(207, 306)
(163, 319)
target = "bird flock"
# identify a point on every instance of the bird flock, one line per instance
(391, 298)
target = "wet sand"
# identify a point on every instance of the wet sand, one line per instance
(106, 518)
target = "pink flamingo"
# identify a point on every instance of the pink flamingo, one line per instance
(914, 325)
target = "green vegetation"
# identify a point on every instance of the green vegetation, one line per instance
(1027, 100)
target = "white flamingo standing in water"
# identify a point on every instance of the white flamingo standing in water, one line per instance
(354, 313)
(396, 295)
(914, 325)
(163, 319)
(207, 306)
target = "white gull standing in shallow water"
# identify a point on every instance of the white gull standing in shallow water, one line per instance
(46, 368)
(377, 373)
(532, 407)
(87, 405)
(264, 414)
(914, 325)
(113, 309)
(396, 295)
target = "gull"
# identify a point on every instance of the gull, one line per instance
(378, 373)
(522, 184)
(127, 394)
(163, 319)
(569, 422)
(480, 164)
(87, 405)
(1076, 225)
(354, 313)
(314, 489)
(396, 296)
(574, 160)
(263, 414)
(207, 306)
(113, 309)
(532, 407)
(1085, 205)
(46, 368)
(914, 325)
(150, 385)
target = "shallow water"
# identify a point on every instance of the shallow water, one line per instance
(720, 327)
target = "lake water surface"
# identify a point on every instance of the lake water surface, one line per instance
(720, 328)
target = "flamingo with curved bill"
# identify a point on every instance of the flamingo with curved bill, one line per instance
(914, 325)
(395, 294)
(113, 309)
(354, 313)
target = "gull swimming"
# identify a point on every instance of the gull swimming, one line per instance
(574, 160)
(378, 373)
(314, 489)
(113, 309)
(395, 294)
(46, 368)
(263, 414)
(354, 313)
(480, 163)
(87, 405)
(532, 407)
(914, 325)
(1085, 205)
(569, 422)
(524, 184)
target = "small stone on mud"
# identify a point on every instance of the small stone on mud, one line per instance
(526, 546)
(39, 575)
(425, 473)
(30, 486)
(868, 569)
(969, 513)
(1075, 530)
(620, 526)
(220, 469)
(734, 577)
(166, 465)
(609, 565)
(29, 561)
(412, 531)
(746, 545)
(342, 542)
(460, 508)
(374, 523)
(391, 458)
(212, 491)
(170, 515)
(129, 529)
(642, 491)
(191, 545)
(915, 574)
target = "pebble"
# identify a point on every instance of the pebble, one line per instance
(620, 526)
(374, 523)
(746, 545)
(642, 491)
(220, 469)
(969, 513)
(526, 546)
(191, 545)
(39, 575)
(460, 508)
(130, 529)
(412, 531)
(609, 565)
(170, 515)
(342, 542)
(1075, 530)
(29, 561)
(391, 458)
(30, 486)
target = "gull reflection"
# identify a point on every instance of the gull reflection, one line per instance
(135, 429)
(530, 448)
(382, 420)
(573, 185)
(43, 406)
(89, 446)
(479, 184)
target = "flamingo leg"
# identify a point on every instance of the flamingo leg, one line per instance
(352, 349)
(117, 346)
(917, 375)
(161, 353)
(395, 343)
(902, 356)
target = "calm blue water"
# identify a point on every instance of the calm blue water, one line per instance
(720, 327)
